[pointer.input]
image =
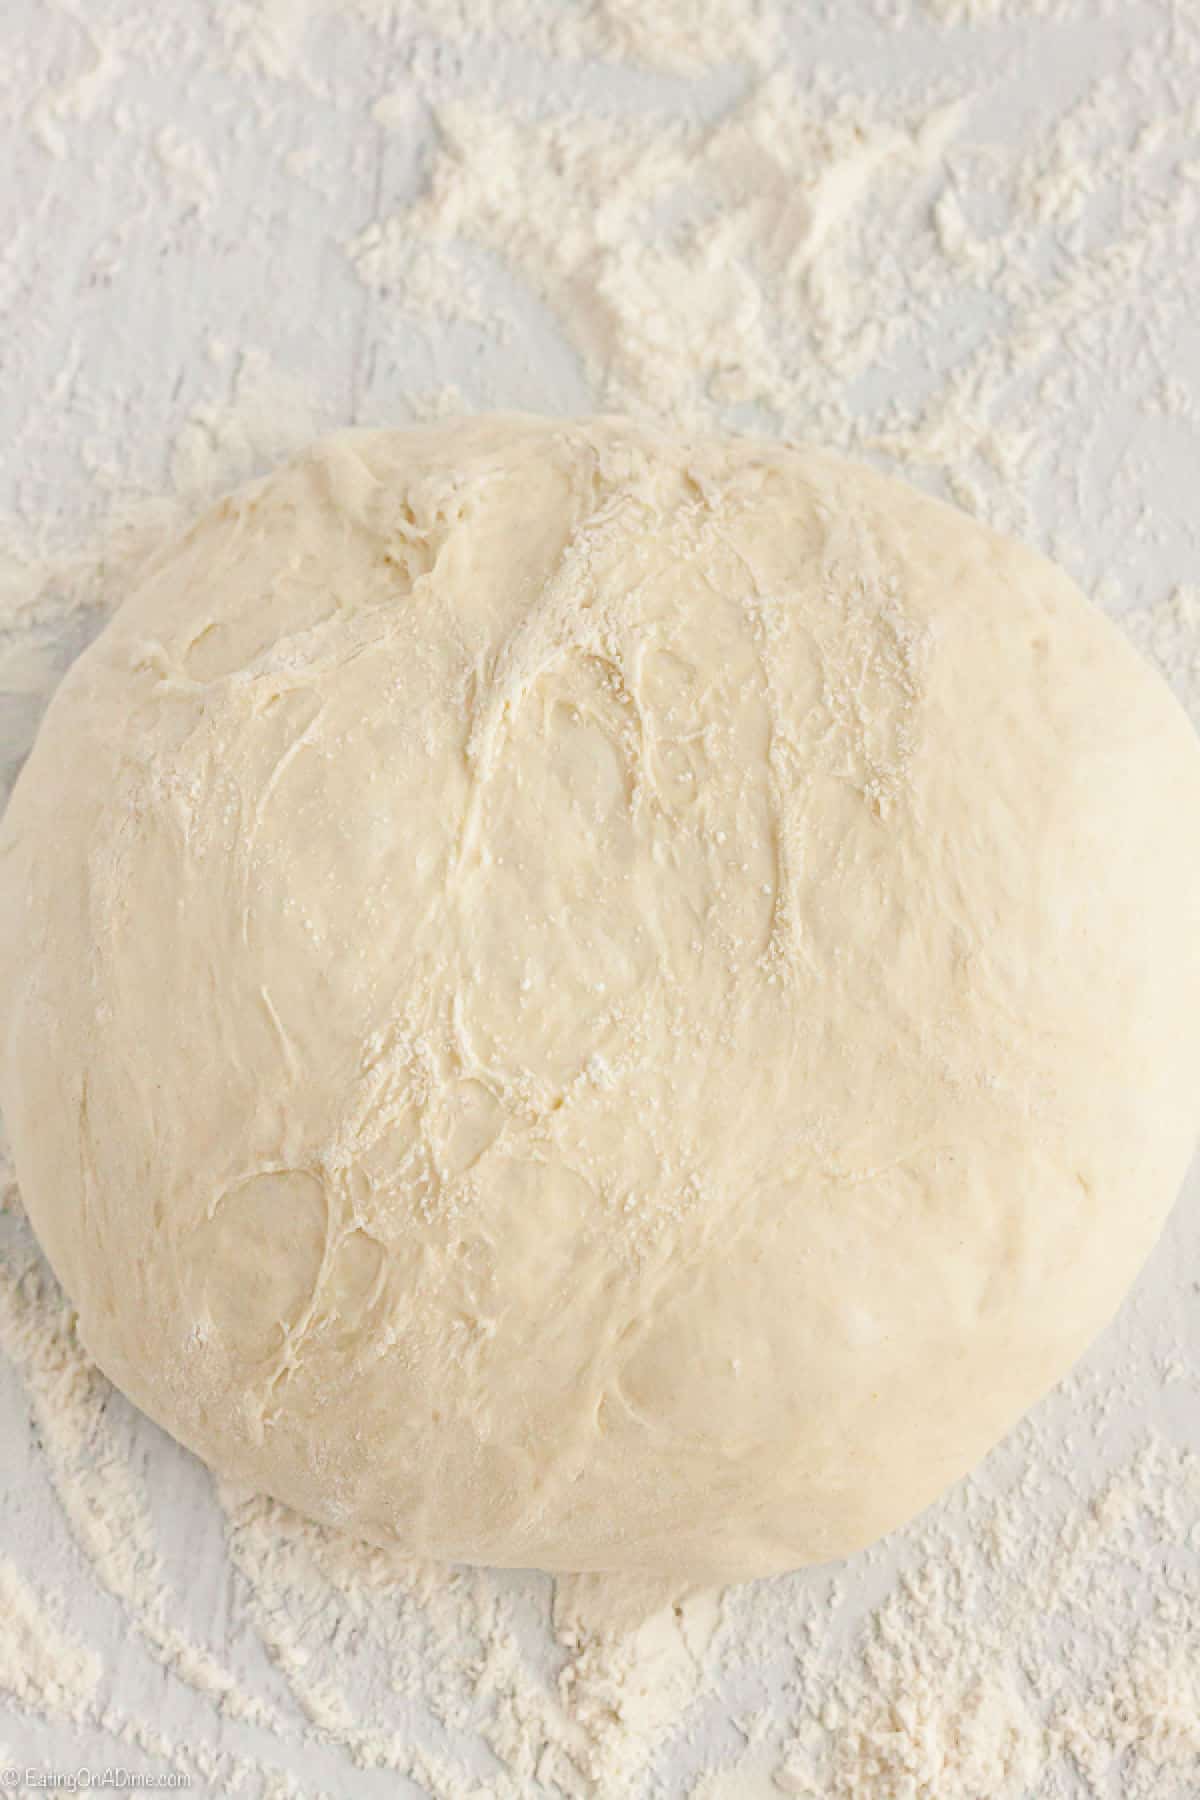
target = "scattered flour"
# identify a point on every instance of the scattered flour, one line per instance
(94, 1485)
(186, 167)
(40, 1666)
(268, 415)
(1168, 633)
(745, 236)
(78, 96)
(670, 313)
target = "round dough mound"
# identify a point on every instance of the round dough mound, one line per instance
(582, 999)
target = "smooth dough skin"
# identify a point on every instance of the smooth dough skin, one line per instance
(578, 998)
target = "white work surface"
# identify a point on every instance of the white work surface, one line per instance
(960, 237)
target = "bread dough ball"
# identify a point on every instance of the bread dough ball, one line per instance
(578, 998)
